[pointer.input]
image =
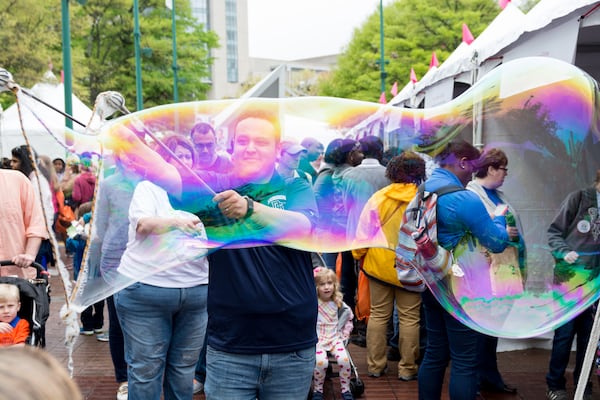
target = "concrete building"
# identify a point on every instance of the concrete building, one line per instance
(231, 67)
(234, 72)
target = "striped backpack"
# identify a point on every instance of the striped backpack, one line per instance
(419, 257)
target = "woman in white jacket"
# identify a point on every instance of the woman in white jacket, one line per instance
(164, 314)
(507, 273)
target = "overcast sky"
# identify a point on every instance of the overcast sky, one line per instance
(289, 30)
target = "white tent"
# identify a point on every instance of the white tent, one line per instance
(38, 119)
(552, 28)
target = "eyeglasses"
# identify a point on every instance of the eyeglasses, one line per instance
(206, 146)
(503, 169)
(184, 156)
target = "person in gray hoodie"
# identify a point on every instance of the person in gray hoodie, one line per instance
(574, 239)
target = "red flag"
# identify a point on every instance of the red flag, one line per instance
(382, 99)
(394, 90)
(413, 76)
(467, 35)
(503, 3)
(434, 61)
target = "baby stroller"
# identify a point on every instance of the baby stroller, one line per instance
(35, 302)
(357, 387)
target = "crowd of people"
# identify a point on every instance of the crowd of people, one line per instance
(259, 321)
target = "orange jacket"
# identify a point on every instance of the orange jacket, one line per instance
(17, 335)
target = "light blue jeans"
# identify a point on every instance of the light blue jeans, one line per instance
(163, 330)
(280, 376)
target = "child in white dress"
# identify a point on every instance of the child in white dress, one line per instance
(334, 324)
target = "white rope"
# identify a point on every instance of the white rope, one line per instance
(589, 357)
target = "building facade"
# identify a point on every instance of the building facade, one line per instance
(229, 20)
(234, 73)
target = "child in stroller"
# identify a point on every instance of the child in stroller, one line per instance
(34, 302)
(13, 329)
(334, 324)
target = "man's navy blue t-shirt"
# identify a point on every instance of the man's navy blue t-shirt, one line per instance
(263, 299)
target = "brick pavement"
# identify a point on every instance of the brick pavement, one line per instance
(94, 374)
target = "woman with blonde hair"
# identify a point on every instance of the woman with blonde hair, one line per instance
(29, 373)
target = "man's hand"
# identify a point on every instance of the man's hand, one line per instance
(571, 257)
(232, 204)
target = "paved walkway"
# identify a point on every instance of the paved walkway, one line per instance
(94, 373)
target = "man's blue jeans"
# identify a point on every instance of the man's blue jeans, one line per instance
(163, 329)
(279, 376)
(561, 348)
(447, 339)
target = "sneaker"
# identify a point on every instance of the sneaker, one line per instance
(408, 378)
(347, 396)
(123, 392)
(377, 374)
(558, 394)
(317, 396)
(198, 386)
(102, 337)
(86, 332)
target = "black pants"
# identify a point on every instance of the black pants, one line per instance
(93, 316)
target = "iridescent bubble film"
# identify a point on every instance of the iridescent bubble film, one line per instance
(542, 112)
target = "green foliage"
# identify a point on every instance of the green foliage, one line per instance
(30, 37)
(413, 29)
(102, 48)
(105, 39)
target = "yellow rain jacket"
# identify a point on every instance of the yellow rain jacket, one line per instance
(383, 210)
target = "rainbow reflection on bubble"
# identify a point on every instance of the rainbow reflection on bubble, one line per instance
(542, 112)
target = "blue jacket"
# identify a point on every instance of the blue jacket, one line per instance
(461, 212)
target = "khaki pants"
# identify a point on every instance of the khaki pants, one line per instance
(408, 305)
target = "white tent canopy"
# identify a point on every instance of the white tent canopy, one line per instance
(549, 29)
(40, 139)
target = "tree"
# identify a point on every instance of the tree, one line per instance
(30, 40)
(413, 29)
(104, 40)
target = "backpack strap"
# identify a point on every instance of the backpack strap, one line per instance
(448, 189)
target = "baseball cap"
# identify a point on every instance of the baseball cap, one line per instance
(292, 147)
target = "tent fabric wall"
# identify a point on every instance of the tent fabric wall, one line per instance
(43, 143)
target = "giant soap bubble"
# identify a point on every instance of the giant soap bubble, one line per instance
(542, 112)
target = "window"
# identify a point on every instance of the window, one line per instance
(231, 40)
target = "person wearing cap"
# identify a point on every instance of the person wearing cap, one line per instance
(458, 213)
(289, 158)
(205, 143)
(85, 183)
(314, 150)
